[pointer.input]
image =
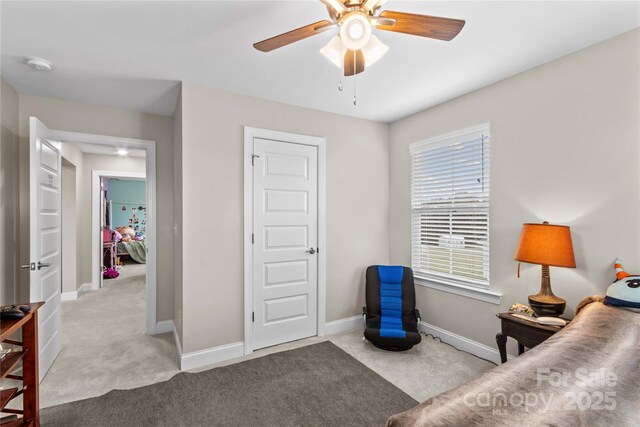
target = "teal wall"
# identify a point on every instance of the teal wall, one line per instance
(131, 195)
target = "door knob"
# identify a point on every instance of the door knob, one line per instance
(43, 265)
(311, 251)
(31, 266)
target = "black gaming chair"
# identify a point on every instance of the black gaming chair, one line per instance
(390, 316)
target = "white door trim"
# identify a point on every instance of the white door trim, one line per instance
(249, 135)
(150, 159)
(96, 212)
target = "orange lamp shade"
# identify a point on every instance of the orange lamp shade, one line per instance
(546, 244)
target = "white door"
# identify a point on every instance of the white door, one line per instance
(45, 244)
(285, 226)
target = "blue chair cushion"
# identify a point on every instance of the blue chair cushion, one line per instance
(391, 301)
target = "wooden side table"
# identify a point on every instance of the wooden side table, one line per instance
(29, 414)
(528, 333)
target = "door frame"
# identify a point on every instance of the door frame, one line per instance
(151, 182)
(249, 134)
(96, 213)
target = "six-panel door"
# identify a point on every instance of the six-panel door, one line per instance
(45, 239)
(285, 224)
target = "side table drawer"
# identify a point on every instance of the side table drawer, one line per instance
(526, 335)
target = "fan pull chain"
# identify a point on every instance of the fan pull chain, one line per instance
(355, 68)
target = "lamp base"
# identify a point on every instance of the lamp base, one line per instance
(547, 305)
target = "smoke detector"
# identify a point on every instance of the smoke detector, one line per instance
(39, 64)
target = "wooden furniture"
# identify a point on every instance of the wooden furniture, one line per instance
(108, 255)
(528, 333)
(30, 379)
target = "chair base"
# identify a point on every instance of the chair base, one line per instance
(392, 344)
(392, 347)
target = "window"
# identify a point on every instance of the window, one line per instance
(450, 208)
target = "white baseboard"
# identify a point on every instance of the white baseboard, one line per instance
(209, 356)
(69, 296)
(86, 287)
(221, 353)
(164, 326)
(463, 343)
(344, 325)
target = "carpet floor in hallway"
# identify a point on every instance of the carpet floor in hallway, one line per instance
(104, 346)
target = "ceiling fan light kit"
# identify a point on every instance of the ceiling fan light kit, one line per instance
(356, 47)
(355, 30)
(373, 51)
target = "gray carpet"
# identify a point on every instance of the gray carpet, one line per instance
(316, 385)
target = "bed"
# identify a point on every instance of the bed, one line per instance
(136, 249)
(131, 243)
(586, 374)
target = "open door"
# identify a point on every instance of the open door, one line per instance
(45, 238)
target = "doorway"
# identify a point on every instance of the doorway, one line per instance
(150, 198)
(46, 246)
(285, 249)
(119, 221)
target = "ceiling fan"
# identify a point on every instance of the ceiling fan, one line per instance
(356, 18)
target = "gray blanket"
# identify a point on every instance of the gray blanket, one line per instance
(587, 374)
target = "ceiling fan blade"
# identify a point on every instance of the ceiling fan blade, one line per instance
(332, 13)
(321, 28)
(353, 62)
(336, 5)
(292, 36)
(377, 21)
(433, 27)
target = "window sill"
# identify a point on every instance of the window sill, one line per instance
(485, 295)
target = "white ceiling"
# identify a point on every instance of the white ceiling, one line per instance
(107, 149)
(133, 54)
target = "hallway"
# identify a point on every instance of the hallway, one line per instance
(104, 346)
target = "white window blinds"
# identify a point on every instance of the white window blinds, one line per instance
(450, 208)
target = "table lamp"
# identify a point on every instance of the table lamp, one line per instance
(547, 245)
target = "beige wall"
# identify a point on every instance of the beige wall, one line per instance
(9, 202)
(76, 117)
(565, 146)
(177, 217)
(212, 191)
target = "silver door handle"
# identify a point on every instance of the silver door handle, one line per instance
(31, 266)
(43, 265)
(311, 251)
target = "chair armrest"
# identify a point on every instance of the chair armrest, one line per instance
(417, 312)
